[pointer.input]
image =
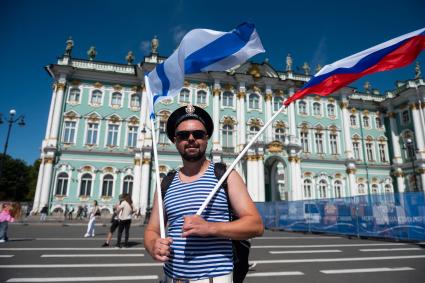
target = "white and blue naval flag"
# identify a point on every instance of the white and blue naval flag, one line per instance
(202, 50)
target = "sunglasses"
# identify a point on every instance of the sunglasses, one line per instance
(197, 135)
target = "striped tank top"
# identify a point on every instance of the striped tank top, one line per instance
(196, 257)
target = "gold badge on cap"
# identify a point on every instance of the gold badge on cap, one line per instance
(190, 109)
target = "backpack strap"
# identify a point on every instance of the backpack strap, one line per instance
(166, 182)
(219, 170)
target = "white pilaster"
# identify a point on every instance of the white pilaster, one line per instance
(216, 116)
(346, 130)
(144, 194)
(47, 180)
(400, 181)
(36, 205)
(352, 181)
(419, 131)
(291, 117)
(137, 185)
(57, 112)
(241, 119)
(295, 174)
(395, 138)
(261, 182)
(252, 180)
(269, 130)
(49, 120)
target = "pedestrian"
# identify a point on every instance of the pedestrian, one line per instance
(9, 213)
(199, 247)
(85, 211)
(79, 213)
(94, 212)
(65, 213)
(114, 225)
(71, 211)
(125, 211)
(43, 212)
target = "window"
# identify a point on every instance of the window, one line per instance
(322, 189)
(369, 151)
(279, 134)
(201, 97)
(69, 131)
(304, 141)
(253, 130)
(338, 189)
(307, 188)
(62, 184)
(366, 123)
(316, 109)
(128, 185)
(254, 101)
(92, 132)
(382, 155)
(356, 149)
(405, 117)
(228, 99)
(227, 136)
(378, 122)
(388, 189)
(319, 142)
(96, 97)
(375, 189)
(132, 136)
(353, 120)
(277, 103)
(184, 96)
(112, 139)
(135, 101)
(334, 143)
(74, 95)
(331, 110)
(107, 185)
(302, 107)
(162, 133)
(361, 189)
(85, 186)
(116, 99)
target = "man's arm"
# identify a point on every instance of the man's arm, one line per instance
(157, 247)
(248, 224)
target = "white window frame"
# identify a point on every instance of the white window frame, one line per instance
(338, 183)
(371, 151)
(68, 179)
(309, 183)
(305, 103)
(320, 109)
(102, 183)
(124, 182)
(334, 143)
(127, 134)
(87, 131)
(102, 95)
(333, 116)
(303, 139)
(355, 121)
(80, 181)
(112, 98)
(130, 100)
(79, 95)
(206, 97)
(107, 134)
(223, 99)
(75, 131)
(189, 96)
(233, 136)
(279, 104)
(316, 142)
(260, 102)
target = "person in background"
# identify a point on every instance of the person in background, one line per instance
(65, 213)
(114, 225)
(71, 211)
(43, 213)
(124, 210)
(9, 213)
(94, 212)
(79, 213)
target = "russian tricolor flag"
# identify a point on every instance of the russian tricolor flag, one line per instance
(395, 53)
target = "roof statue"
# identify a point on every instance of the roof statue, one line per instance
(69, 45)
(418, 72)
(306, 69)
(92, 53)
(318, 68)
(288, 62)
(367, 86)
(154, 45)
(129, 58)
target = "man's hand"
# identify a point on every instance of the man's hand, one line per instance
(161, 250)
(195, 225)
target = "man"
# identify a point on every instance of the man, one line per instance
(199, 248)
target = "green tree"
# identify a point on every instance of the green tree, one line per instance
(32, 182)
(14, 180)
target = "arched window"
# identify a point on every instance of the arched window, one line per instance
(201, 97)
(361, 189)
(331, 110)
(96, 97)
(316, 109)
(62, 184)
(135, 101)
(228, 99)
(366, 122)
(85, 186)
(227, 136)
(279, 134)
(322, 188)
(378, 122)
(375, 189)
(116, 99)
(74, 95)
(107, 185)
(302, 107)
(128, 185)
(338, 189)
(254, 101)
(405, 117)
(277, 103)
(253, 130)
(184, 96)
(162, 133)
(353, 120)
(307, 188)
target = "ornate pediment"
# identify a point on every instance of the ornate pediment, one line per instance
(275, 147)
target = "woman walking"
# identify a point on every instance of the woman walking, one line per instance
(94, 212)
(9, 213)
(124, 210)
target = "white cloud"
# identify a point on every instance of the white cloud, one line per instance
(178, 33)
(145, 46)
(320, 55)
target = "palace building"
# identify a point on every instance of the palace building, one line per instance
(98, 141)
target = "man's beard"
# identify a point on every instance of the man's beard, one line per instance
(192, 157)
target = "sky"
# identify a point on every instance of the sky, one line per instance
(33, 35)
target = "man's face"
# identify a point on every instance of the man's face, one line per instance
(191, 140)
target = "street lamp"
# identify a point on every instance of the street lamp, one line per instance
(410, 146)
(11, 120)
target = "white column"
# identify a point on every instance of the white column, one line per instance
(295, 174)
(346, 130)
(291, 117)
(47, 180)
(400, 180)
(269, 130)
(52, 105)
(261, 182)
(352, 181)
(57, 112)
(216, 116)
(419, 131)
(252, 182)
(421, 172)
(241, 121)
(144, 194)
(137, 182)
(36, 205)
(395, 138)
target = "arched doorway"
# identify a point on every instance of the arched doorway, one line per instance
(276, 179)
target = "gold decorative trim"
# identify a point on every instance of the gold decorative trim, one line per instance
(162, 168)
(70, 115)
(414, 106)
(202, 85)
(296, 159)
(117, 87)
(353, 110)
(60, 86)
(251, 158)
(137, 162)
(87, 169)
(398, 174)
(48, 160)
(343, 104)
(391, 114)
(228, 121)
(97, 85)
(108, 170)
(331, 99)
(133, 120)
(146, 161)
(186, 84)
(93, 118)
(366, 112)
(316, 98)
(275, 147)
(75, 82)
(256, 88)
(269, 97)
(351, 171)
(114, 119)
(421, 170)
(241, 94)
(216, 91)
(228, 87)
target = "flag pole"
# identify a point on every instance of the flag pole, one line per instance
(155, 154)
(230, 168)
